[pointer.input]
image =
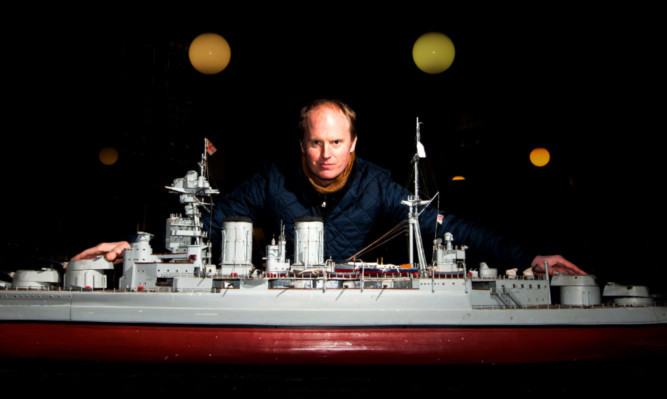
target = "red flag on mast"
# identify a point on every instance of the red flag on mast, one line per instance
(210, 148)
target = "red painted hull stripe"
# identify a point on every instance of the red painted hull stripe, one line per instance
(249, 345)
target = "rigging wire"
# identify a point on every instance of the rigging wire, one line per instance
(394, 232)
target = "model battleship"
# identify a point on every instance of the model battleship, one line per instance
(181, 307)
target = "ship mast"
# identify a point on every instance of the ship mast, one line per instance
(413, 203)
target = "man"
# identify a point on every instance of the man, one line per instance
(355, 198)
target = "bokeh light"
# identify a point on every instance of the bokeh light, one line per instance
(458, 178)
(209, 53)
(433, 52)
(540, 157)
(108, 155)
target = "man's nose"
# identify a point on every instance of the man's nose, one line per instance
(326, 151)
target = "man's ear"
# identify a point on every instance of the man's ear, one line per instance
(354, 145)
(301, 145)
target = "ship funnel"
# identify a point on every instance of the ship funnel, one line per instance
(308, 241)
(237, 241)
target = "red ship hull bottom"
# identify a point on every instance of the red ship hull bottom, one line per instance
(247, 345)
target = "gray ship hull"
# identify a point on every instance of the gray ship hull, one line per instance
(255, 304)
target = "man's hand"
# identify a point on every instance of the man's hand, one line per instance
(556, 263)
(112, 251)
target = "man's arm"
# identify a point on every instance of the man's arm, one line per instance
(112, 251)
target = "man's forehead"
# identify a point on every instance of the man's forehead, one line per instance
(327, 111)
(330, 116)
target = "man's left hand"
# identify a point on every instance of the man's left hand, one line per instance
(556, 264)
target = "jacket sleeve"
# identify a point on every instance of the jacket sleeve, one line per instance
(487, 245)
(484, 243)
(246, 200)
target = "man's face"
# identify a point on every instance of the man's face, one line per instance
(327, 143)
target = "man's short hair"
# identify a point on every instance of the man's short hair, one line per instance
(344, 108)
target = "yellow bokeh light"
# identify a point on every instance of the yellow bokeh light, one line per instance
(433, 52)
(209, 53)
(458, 178)
(108, 155)
(540, 157)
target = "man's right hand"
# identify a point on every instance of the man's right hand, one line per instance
(112, 251)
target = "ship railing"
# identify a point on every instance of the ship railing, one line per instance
(506, 277)
(29, 289)
(380, 274)
(556, 306)
(311, 275)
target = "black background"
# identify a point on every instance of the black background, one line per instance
(579, 81)
(582, 81)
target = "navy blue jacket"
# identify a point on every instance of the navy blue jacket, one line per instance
(366, 208)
